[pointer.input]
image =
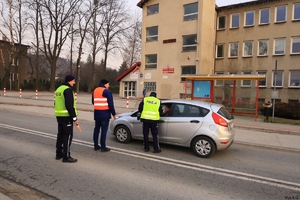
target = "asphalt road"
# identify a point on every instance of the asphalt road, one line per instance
(240, 172)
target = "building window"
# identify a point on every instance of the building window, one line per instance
(262, 83)
(231, 82)
(264, 16)
(280, 14)
(296, 13)
(221, 22)
(189, 42)
(294, 79)
(220, 50)
(246, 83)
(130, 89)
(279, 46)
(249, 18)
(248, 49)
(263, 47)
(151, 61)
(190, 11)
(295, 45)
(153, 9)
(233, 49)
(235, 21)
(219, 82)
(152, 34)
(188, 70)
(150, 86)
(279, 79)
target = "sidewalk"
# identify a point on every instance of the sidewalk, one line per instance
(248, 131)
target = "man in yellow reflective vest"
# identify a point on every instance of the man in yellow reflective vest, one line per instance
(151, 111)
(66, 115)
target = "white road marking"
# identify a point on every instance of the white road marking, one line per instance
(174, 162)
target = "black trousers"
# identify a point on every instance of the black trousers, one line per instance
(64, 139)
(153, 126)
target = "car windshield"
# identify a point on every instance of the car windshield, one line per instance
(223, 112)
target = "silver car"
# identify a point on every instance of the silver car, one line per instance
(205, 127)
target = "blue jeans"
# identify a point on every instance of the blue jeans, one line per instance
(103, 124)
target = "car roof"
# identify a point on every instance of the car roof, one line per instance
(192, 102)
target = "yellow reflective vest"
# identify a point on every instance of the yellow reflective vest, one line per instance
(60, 107)
(151, 108)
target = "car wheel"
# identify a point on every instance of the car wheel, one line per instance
(122, 134)
(203, 146)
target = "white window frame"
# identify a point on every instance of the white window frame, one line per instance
(189, 47)
(150, 86)
(246, 83)
(248, 49)
(194, 15)
(295, 78)
(296, 9)
(221, 28)
(259, 47)
(295, 41)
(237, 49)
(261, 16)
(278, 71)
(130, 89)
(217, 50)
(249, 15)
(219, 82)
(231, 82)
(279, 46)
(260, 81)
(149, 37)
(279, 13)
(150, 65)
(149, 12)
(232, 18)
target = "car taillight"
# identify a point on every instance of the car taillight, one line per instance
(219, 120)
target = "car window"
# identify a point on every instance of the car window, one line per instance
(184, 110)
(223, 112)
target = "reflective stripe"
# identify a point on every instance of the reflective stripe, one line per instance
(100, 102)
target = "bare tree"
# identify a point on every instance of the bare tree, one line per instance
(131, 51)
(114, 27)
(55, 19)
(86, 13)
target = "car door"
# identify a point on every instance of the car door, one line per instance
(184, 121)
(137, 129)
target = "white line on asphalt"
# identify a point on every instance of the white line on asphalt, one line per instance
(174, 162)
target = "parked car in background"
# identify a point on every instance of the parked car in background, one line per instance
(203, 126)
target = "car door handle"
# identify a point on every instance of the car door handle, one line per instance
(194, 121)
(161, 121)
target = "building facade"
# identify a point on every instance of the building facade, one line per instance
(13, 64)
(197, 37)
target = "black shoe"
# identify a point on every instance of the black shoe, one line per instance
(147, 150)
(96, 148)
(105, 149)
(57, 157)
(69, 160)
(157, 151)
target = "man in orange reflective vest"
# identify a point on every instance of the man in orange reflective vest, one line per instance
(102, 100)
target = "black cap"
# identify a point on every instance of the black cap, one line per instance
(104, 81)
(153, 94)
(69, 78)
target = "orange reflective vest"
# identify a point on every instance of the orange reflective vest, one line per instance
(100, 102)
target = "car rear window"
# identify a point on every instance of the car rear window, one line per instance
(223, 112)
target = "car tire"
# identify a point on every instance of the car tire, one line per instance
(122, 134)
(203, 146)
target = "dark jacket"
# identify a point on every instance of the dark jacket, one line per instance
(105, 114)
(69, 102)
(141, 107)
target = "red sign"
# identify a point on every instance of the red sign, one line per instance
(168, 70)
(169, 41)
